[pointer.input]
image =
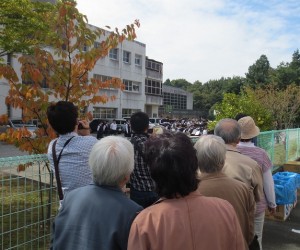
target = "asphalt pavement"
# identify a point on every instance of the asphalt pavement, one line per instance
(283, 235)
(7, 150)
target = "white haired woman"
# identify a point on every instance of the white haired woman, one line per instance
(99, 216)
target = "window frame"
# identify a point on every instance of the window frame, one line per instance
(153, 87)
(104, 113)
(138, 60)
(114, 54)
(126, 56)
(131, 86)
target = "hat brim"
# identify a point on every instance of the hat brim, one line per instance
(251, 134)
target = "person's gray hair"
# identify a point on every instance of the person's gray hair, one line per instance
(229, 130)
(111, 160)
(211, 153)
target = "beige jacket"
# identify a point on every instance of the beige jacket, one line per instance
(237, 193)
(193, 222)
(243, 168)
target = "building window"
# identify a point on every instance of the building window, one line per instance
(153, 87)
(102, 78)
(8, 110)
(138, 60)
(132, 86)
(9, 59)
(129, 112)
(126, 56)
(113, 54)
(96, 44)
(104, 113)
(154, 66)
(177, 101)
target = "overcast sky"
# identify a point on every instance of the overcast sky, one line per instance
(205, 39)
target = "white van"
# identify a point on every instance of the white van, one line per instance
(155, 121)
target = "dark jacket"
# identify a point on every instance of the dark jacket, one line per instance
(94, 217)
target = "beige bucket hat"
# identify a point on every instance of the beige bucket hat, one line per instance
(249, 129)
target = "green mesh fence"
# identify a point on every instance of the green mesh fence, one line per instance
(281, 145)
(28, 202)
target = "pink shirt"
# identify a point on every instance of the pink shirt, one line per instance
(263, 160)
(191, 222)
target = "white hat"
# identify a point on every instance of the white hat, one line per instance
(248, 127)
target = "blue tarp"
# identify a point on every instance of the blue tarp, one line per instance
(286, 184)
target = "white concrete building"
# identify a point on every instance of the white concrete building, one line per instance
(153, 87)
(4, 88)
(141, 76)
(126, 62)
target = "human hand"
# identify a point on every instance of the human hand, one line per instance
(272, 210)
(83, 128)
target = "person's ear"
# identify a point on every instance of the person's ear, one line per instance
(124, 181)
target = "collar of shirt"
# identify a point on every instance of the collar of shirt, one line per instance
(68, 135)
(205, 176)
(246, 144)
(231, 148)
(115, 188)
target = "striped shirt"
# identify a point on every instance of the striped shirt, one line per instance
(73, 166)
(263, 160)
(140, 178)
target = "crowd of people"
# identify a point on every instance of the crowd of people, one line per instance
(159, 190)
(191, 127)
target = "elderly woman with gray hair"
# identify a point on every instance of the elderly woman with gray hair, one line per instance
(211, 153)
(99, 216)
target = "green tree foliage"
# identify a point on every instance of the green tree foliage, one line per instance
(22, 25)
(283, 105)
(245, 103)
(206, 95)
(284, 75)
(288, 73)
(178, 83)
(295, 64)
(167, 82)
(259, 73)
(234, 84)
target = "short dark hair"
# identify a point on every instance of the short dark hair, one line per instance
(173, 164)
(62, 117)
(239, 116)
(139, 122)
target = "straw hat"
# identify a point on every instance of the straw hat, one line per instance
(248, 127)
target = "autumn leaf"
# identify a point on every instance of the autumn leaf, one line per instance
(60, 73)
